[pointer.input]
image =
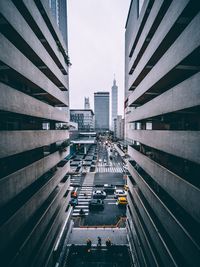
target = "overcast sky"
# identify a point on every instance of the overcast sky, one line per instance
(96, 48)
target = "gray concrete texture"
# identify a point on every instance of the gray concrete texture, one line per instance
(171, 183)
(182, 144)
(27, 140)
(79, 236)
(181, 238)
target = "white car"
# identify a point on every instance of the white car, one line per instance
(100, 160)
(105, 161)
(99, 194)
(120, 193)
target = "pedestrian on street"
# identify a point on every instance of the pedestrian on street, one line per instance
(99, 242)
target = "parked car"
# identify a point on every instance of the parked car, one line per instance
(99, 194)
(109, 188)
(96, 204)
(111, 158)
(122, 201)
(120, 193)
(74, 202)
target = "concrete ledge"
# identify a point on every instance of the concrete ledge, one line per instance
(171, 183)
(180, 49)
(187, 247)
(15, 19)
(27, 105)
(26, 176)
(16, 61)
(159, 243)
(38, 19)
(175, 99)
(42, 224)
(27, 140)
(21, 217)
(184, 144)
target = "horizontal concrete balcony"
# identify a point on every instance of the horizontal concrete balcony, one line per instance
(157, 39)
(26, 249)
(184, 144)
(17, 66)
(141, 235)
(159, 243)
(24, 213)
(138, 27)
(26, 176)
(27, 105)
(185, 194)
(187, 247)
(173, 67)
(29, 44)
(14, 142)
(175, 99)
(40, 28)
(51, 237)
(143, 40)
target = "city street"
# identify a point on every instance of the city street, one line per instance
(108, 170)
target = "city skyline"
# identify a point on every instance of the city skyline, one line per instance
(95, 60)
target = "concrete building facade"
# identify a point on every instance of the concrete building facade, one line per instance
(114, 100)
(119, 128)
(34, 185)
(101, 110)
(84, 118)
(162, 114)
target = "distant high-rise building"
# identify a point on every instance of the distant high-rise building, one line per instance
(84, 118)
(59, 11)
(101, 110)
(87, 103)
(119, 127)
(114, 98)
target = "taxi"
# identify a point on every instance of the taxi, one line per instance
(122, 201)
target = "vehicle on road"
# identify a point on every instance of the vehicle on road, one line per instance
(120, 193)
(105, 161)
(111, 158)
(126, 187)
(100, 160)
(74, 202)
(96, 204)
(109, 188)
(99, 194)
(122, 201)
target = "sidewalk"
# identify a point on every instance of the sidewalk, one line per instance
(89, 179)
(117, 236)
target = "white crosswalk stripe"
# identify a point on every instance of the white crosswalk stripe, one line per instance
(115, 169)
(84, 197)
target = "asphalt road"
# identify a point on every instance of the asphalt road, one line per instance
(112, 213)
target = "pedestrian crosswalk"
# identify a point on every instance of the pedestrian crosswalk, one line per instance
(84, 198)
(109, 169)
(75, 181)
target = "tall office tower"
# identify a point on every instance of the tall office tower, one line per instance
(34, 185)
(59, 11)
(163, 98)
(101, 111)
(114, 99)
(87, 103)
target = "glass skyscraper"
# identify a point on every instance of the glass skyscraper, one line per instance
(101, 110)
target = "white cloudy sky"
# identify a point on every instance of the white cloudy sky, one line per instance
(96, 48)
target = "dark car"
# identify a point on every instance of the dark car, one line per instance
(99, 194)
(96, 204)
(109, 188)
